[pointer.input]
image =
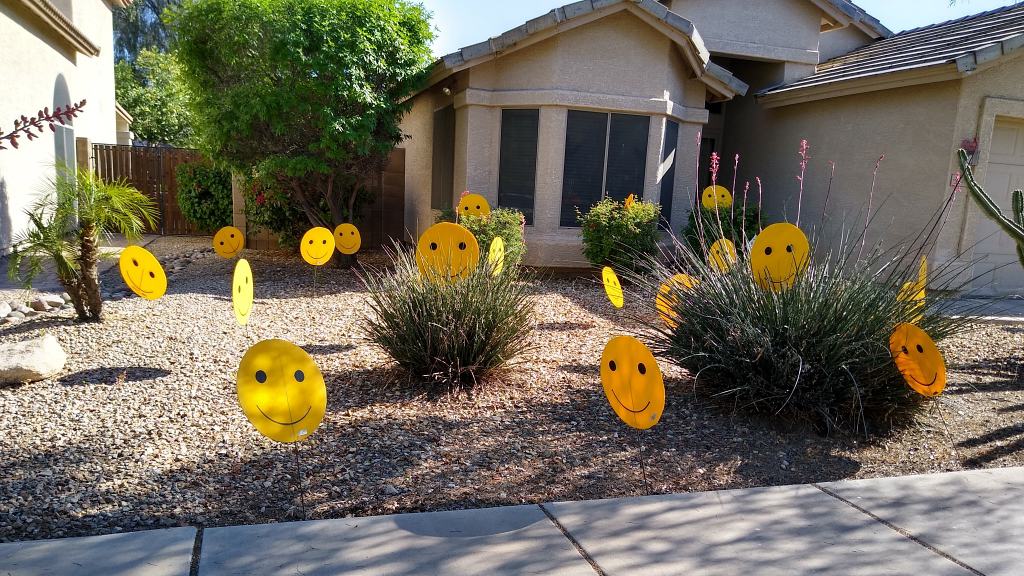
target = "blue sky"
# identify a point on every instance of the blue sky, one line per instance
(463, 22)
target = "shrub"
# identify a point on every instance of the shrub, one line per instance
(617, 236)
(204, 195)
(704, 227)
(508, 223)
(817, 352)
(448, 334)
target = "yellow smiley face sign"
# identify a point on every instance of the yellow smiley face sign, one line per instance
(228, 242)
(918, 359)
(142, 272)
(716, 197)
(242, 291)
(496, 255)
(666, 300)
(317, 246)
(722, 255)
(447, 251)
(915, 291)
(779, 254)
(474, 205)
(630, 200)
(612, 286)
(347, 238)
(632, 382)
(281, 390)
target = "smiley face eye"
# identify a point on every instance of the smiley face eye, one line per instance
(919, 349)
(789, 248)
(232, 235)
(310, 242)
(151, 275)
(466, 208)
(261, 376)
(352, 233)
(641, 368)
(221, 242)
(433, 245)
(299, 376)
(135, 263)
(905, 351)
(325, 241)
(768, 251)
(611, 365)
(462, 245)
(477, 206)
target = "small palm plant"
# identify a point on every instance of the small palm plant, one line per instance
(66, 226)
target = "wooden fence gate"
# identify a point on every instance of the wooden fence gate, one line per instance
(153, 171)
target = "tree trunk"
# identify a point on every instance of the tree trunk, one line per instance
(73, 287)
(89, 246)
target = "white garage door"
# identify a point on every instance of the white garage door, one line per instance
(1004, 175)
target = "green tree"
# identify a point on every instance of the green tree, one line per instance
(66, 226)
(310, 92)
(155, 97)
(141, 26)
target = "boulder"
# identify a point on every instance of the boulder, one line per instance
(5, 309)
(52, 300)
(39, 305)
(31, 360)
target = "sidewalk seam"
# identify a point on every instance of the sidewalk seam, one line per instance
(197, 549)
(901, 531)
(575, 543)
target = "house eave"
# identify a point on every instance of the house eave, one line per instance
(861, 85)
(59, 25)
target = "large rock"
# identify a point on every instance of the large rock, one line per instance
(5, 309)
(31, 360)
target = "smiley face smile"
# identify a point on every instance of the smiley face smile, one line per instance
(646, 406)
(292, 423)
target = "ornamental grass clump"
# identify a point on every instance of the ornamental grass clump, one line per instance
(817, 352)
(453, 334)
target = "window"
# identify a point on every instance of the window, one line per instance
(517, 164)
(605, 155)
(443, 162)
(668, 179)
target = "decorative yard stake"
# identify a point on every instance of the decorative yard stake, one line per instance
(447, 251)
(612, 286)
(142, 272)
(228, 242)
(242, 289)
(473, 205)
(1013, 226)
(317, 247)
(633, 384)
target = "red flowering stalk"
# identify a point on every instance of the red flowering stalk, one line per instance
(759, 208)
(735, 166)
(804, 148)
(27, 127)
(714, 168)
(867, 217)
(743, 216)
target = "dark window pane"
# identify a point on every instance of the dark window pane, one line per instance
(443, 165)
(517, 165)
(627, 156)
(668, 179)
(584, 163)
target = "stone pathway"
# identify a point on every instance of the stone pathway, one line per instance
(937, 524)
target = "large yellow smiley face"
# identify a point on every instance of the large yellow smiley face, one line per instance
(612, 286)
(347, 238)
(447, 251)
(780, 253)
(918, 359)
(317, 246)
(228, 242)
(473, 205)
(281, 390)
(242, 291)
(142, 272)
(722, 255)
(716, 197)
(632, 382)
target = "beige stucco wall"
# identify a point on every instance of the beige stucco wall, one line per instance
(841, 41)
(33, 60)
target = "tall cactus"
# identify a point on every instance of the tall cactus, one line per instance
(1014, 227)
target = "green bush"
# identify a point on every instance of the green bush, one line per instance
(615, 236)
(817, 352)
(448, 334)
(204, 195)
(508, 223)
(704, 227)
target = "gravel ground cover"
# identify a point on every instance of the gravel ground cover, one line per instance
(142, 429)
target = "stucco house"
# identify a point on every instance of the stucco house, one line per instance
(612, 97)
(54, 52)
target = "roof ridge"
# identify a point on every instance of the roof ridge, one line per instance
(1007, 8)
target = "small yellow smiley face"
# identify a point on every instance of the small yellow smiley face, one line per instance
(716, 197)
(446, 251)
(474, 205)
(228, 242)
(142, 272)
(317, 246)
(281, 390)
(630, 200)
(915, 291)
(918, 359)
(722, 255)
(612, 286)
(780, 253)
(347, 238)
(632, 382)
(496, 255)
(242, 291)
(666, 301)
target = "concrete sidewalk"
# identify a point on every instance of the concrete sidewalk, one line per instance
(953, 523)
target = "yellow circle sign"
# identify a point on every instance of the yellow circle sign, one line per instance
(612, 286)
(142, 272)
(666, 300)
(347, 238)
(447, 251)
(242, 291)
(918, 359)
(281, 390)
(780, 253)
(632, 382)
(722, 255)
(716, 197)
(474, 205)
(228, 242)
(317, 246)
(496, 255)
